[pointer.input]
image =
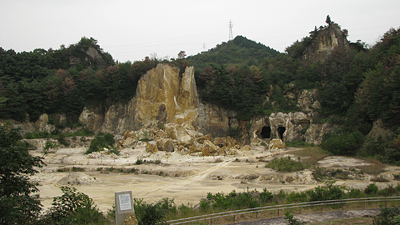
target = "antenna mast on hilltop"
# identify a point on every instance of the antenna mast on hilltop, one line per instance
(230, 30)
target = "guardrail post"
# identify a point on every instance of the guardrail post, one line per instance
(364, 204)
(211, 221)
(299, 210)
(234, 218)
(278, 211)
(321, 207)
(256, 214)
(385, 202)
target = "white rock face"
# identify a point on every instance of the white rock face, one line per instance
(289, 127)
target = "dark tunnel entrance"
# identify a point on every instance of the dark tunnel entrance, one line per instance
(266, 132)
(281, 130)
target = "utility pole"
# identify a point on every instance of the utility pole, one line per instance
(230, 30)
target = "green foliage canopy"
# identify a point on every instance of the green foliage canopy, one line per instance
(17, 202)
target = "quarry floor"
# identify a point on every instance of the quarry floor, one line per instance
(184, 178)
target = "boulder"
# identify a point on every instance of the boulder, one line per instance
(128, 140)
(277, 144)
(131, 220)
(165, 145)
(203, 138)
(210, 148)
(42, 124)
(151, 147)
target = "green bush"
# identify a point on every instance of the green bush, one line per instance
(299, 144)
(184, 210)
(204, 206)
(343, 143)
(371, 189)
(290, 220)
(387, 216)
(73, 208)
(355, 193)
(296, 197)
(328, 192)
(285, 164)
(266, 196)
(145, 137)
(148, 213)
(101, 140)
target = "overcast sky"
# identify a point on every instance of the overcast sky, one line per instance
(132, 29)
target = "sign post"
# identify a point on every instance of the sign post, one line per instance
(123, 206)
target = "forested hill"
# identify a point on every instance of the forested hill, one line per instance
(237, 51)
(355, 85)
(63, 81)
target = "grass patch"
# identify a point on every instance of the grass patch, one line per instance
(299, 144)
(219, 160)
(77, 169)
(285, 164)
(376, 168)
(311, 155)
(349, 221)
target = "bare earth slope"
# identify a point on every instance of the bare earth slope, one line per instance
(186, 179)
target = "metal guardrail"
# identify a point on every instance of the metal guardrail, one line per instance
(278, 208)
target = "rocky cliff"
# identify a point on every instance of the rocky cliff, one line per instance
(325, 42)
(162, 97)
(166, 100)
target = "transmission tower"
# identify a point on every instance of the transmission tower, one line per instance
(230, 30)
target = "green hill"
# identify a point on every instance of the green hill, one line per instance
(237, 51)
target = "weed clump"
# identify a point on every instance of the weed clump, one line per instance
(285, 164)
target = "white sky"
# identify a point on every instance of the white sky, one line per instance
(132, 29)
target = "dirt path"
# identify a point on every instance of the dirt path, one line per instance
(202, 175)
(317, 217)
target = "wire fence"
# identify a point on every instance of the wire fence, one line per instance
(278, 210)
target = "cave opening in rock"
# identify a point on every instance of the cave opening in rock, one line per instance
(266, 132)
(281, 130)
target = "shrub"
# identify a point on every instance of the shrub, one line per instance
(148, 213)
(343, 143)
(285, 164)
(204, 206)
(355, 193)
(62, 141)
(266, 196)
(101, 140)
(296, 197)
(387, 216)
(145, 137)
(371, 189)
(73, 208)
(77, 169)
(328, 192)
(299, 144)
(17, 201)
(139, 161)
(184, 210)
(290, 220)
(49, 145)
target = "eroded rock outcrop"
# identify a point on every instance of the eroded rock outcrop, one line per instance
(288, 127)
(163, 97)
(326, 41)
(179, 138)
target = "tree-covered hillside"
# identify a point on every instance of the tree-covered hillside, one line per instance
(237, 51)
(356, 85)
(64, 80)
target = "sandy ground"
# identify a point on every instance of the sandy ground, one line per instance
(186, 179)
